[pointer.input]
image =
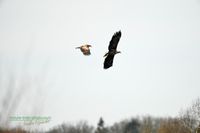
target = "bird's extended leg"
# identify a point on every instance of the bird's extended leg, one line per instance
(105, 55)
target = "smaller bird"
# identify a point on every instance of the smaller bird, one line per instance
(85, 49)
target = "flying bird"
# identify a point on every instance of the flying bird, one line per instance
(85, 49)
(108, 62)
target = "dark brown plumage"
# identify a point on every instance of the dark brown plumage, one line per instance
(108, 62)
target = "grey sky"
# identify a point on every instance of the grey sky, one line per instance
(157, 72)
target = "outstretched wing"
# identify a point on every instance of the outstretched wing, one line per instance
(114, 41)
(108, 62)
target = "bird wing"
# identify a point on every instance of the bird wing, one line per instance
(108, 62)
(114, 41)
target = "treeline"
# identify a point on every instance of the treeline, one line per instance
(146, 124)
(188, 121)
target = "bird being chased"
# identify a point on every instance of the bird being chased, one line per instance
(85, 49)
(108, 62)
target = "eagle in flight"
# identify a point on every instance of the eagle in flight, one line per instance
(85, 49)
(108, 62)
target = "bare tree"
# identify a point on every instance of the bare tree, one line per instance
(81, 127)
(147, 125)
(190, 117)
(172, 125)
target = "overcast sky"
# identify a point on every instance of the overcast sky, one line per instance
(157, 73)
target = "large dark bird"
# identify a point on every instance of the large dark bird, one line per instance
(108, 62)
(85, 49)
